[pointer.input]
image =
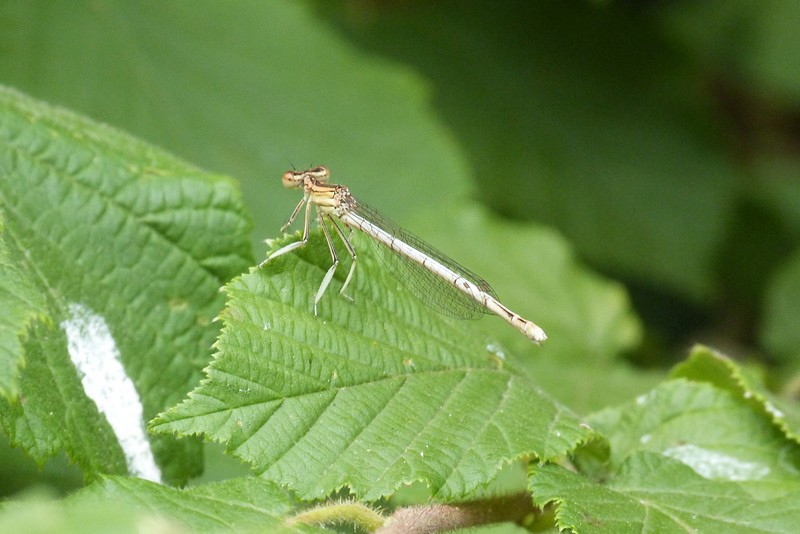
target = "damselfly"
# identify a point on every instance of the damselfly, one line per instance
(436, 279)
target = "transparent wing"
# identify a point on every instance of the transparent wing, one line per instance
(431, 289)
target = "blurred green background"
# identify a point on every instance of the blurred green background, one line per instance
(660, 138)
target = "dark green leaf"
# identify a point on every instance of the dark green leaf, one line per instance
(755, 44)
(782, 307)
(536, 273)
(249, 88)
(588, 319)
(579, 117)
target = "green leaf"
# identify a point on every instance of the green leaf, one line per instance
(22, 306)
(653, 493)
(707, 365)
(119, 504)
(717, 433)
(126, 248)
(370, 394)
(782, 307)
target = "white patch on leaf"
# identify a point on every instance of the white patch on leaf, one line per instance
(95, 354)
(717, 466)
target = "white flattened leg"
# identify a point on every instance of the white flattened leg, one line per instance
(297, 244)
(352, 251)
(326, 280)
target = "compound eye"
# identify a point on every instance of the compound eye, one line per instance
(292, 179)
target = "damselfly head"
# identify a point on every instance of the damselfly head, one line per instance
(292, 179)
